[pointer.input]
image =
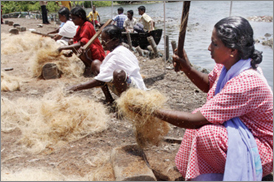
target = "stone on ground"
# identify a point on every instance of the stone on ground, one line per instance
(129, 164)
(50, 71)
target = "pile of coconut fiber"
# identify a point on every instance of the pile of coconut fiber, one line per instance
(52, 120)
(100, 170)
(9, 83)
(40, 50)
(148, 129)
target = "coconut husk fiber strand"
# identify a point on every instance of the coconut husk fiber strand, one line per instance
(47, 53)
(39, 50)
(9, 83)
(53, 120)
(148, 129)
(100, 170)
(38, 174)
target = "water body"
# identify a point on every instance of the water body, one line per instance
(202, 17)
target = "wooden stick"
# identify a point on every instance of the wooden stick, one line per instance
(39, 33)
(129, 41)
(173, 44)
(94, 37)
(153, 45)
(182, 33)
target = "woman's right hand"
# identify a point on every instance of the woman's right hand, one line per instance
(181, 64)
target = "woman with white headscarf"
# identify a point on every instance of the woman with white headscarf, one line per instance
(67, 29)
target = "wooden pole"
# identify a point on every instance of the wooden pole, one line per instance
(173, 44)
(129, 41)
(94, 37)
(230, 8)
(166, 53)
(167, 48)
(182, 32)
(140, 51)
(153, 45)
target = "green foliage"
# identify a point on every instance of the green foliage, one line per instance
(87, 4)
(101, 3)
(19, 6)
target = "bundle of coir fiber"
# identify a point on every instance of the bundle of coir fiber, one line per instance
(52, 120)
(9, 83)
(39, 50)
(148, 129)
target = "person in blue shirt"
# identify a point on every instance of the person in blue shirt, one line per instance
(120, 18)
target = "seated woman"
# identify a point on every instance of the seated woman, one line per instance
(119, 70)
(84, 33)
(231, 136)
(67, 29)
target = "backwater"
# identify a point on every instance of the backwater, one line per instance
(202, 17)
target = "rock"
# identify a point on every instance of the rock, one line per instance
(267, 35)
(16, 25)
(39, 25)
(50, 71)
(22, 29)
(129, 164)
(10, 23)
(268, 42)
(6, 21)
(8, 69)
(173, 140)
(14, 31)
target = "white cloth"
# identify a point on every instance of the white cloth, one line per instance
(68, 29)
(123, 59)
(63, 41)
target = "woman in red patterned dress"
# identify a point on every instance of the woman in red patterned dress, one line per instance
(203, 153)
(84, 33)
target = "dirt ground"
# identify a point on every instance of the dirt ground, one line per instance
(70, 159)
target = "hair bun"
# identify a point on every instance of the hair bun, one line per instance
(257, 58)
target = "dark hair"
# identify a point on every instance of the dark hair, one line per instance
(80, 12)
(236, 33)
(113, 32)
(64, 11)
(142, 8)
(121, 9)
(130, 12)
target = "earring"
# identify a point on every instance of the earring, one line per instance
(232, 55)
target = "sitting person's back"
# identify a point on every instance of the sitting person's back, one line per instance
(120, 18)
(146, 20)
